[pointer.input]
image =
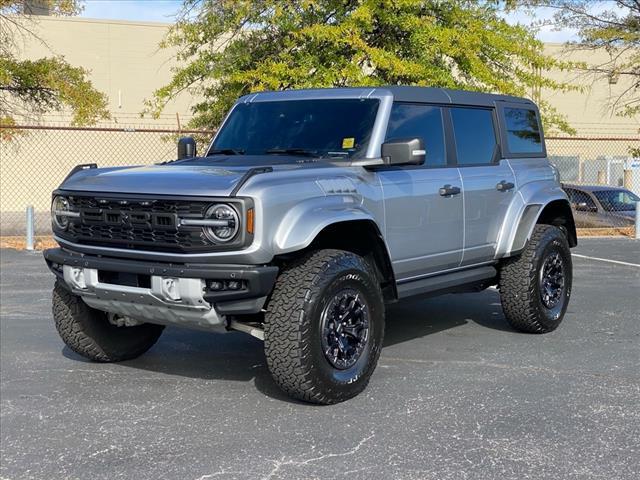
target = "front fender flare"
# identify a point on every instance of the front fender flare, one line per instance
(301, 225)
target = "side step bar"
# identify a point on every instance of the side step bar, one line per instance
(446, 281)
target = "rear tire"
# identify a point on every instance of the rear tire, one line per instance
(324, 327)
(89, 333)
(535, 287)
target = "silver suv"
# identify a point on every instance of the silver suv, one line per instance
(310, 211)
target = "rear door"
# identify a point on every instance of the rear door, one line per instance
(423, 228)
(488, 182)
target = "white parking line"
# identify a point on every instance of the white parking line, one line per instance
(606, 260)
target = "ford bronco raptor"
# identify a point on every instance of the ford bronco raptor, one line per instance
(309, 211)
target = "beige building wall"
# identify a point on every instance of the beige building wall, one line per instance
(123, 58)
(589, 110)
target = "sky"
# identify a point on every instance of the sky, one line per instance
(140, 10)
(165, 10)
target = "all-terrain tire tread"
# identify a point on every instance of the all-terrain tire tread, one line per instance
(72, 316)
(517, 283)
(66, 310)
(286, 353)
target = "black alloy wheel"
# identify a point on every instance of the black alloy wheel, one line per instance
(552, 280)
(345, 328)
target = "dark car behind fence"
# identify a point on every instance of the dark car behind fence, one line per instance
(35, 159)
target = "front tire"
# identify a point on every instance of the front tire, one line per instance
(535, 287)
(89, 333)
(324, 327)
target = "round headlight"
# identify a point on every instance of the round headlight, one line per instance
(58, 206)
(229, 223)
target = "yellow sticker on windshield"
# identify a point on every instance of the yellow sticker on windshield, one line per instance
(348, 142)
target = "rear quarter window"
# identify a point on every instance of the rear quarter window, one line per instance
(522, 130)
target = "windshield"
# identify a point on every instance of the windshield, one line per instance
(617, 200)
(338, 128)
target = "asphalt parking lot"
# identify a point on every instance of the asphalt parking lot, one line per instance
(457, 394)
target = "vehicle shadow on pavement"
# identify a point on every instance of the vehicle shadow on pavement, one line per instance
(413, 319)
(238, 357)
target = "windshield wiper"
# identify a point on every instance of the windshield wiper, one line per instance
(226, 151)
(292, 151)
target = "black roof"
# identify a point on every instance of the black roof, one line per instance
(400, 93)
(445, 95)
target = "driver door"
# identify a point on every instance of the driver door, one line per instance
(424, 227)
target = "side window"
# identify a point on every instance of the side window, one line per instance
(475, 135)
(419, 121)
(523, 130)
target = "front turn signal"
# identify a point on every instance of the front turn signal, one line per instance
(250, 221)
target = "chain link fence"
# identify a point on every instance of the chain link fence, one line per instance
(35, 159)
(596, 160)
(594, 170)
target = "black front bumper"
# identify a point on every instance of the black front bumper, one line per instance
(258, 279)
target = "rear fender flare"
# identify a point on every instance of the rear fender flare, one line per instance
(523, 215)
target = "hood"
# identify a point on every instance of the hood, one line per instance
(197, 177)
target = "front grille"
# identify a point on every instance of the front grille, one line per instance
(144, 224)
(182, 208)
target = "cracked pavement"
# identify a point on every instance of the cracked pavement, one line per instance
(457, 394)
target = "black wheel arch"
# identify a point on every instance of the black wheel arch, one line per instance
(362, 237)
(558, 213)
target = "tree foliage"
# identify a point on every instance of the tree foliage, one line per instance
(230, 48)
(29, 88)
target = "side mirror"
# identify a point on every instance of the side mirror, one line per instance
(403, 151)
(583, 207)
(186, 148)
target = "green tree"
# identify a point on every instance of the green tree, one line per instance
(29, 88)
(612, 26)
(229, 48)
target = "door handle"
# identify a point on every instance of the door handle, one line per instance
(504, 186)
(448, 190)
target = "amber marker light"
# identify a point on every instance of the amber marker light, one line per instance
(250, 219)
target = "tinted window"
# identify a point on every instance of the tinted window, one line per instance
(523, 130)
(419, 121)
(475, 135)
(617, 200)
(335, 128)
